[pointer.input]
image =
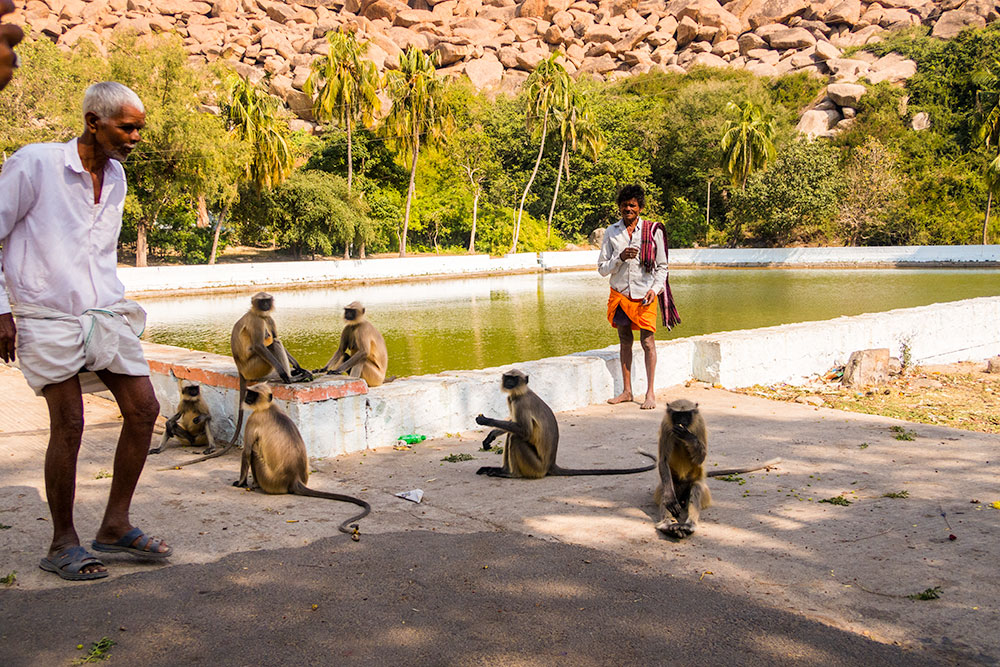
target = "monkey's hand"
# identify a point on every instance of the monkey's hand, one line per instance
(488, 440)
(482, 420)
(673, 506)
(302, 375)
(243, 483)
(201, 418)
(285, 377)
(155, 450)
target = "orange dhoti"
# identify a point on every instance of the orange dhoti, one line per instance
(641, 316)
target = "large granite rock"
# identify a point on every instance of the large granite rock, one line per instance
(846, 94)
(792, 38)
(953, 22)
(485, 72)
(817, 123)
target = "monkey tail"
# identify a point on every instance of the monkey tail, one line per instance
(350, 525)
(213, 455)
(556, 471)
(738, 471)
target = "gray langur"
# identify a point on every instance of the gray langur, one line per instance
(192, 422)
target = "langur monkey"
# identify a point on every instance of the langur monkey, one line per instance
(362, 352)
(192, 422)
(682, 492)
(273, 450)
(258, 353)
(532, 436)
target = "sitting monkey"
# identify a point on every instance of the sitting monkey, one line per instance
(192, 421)
(362, 352)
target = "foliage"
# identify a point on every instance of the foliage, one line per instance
(747, 142)
(457, 458)
(99, 650)
(927, 594)
(873, 197)
(793, 199)
(896, 494)
(253, 116)
(837, 500)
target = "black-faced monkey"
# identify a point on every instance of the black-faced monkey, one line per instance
(532, 436)
(192, 421)
(273, 450)
(683, 492)
(362, 352)
(258, 353)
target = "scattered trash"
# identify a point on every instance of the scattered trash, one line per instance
(414, 496)
(411, 439)
(457, 458)
(836, 500)
(995, 505)
(927, 594)
(399, 447)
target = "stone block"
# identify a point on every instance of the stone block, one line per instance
(867, 367)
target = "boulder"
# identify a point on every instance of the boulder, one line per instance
(528, 59)
(408, 18)
(892, 72)
(602, 33)
(847, 69)
(896, 19)
(596, 239)
(279, 13)
(775, 11)
(406, 38)
(953, 22)
(708, 60)
(707, 12)
(792, 38)
(848, 11)
(921, 121)
(544, 9)
(748, 41)
(476, 30)
(726, 47)
(484, 72)
(817, 122)
(601, 65)
(449, 54)
(687, 30)
(846, 94)
(826, 50)
(523, 28)
(634, 37)
(766, 56)
(866, 367)
(384, 9)
(992, 364)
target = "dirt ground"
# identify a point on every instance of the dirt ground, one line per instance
(961, 395)
(768, 543)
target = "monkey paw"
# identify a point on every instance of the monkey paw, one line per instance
(155, 450)
(676, 530)
(241, 483)
(482, 420)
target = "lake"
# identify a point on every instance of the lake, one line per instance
(469, 323)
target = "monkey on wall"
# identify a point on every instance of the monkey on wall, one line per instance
(273, 450)
(362, 352)
(683, 492)
(532, 436)
(192, 421)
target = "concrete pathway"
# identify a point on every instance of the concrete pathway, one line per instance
(564, 570)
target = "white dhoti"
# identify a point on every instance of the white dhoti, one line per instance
(53, 346)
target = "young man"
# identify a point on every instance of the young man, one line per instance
(60, 215)
(634, 254)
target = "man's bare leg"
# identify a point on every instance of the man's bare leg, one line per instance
(65, 404)
(625, 340)
(647, 340)
(139, 409)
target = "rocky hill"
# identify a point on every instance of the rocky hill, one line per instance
(496, 43)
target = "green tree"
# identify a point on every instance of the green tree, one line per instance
(873, 196)
(252, 116)
(988, 131)
(575, 124)
(546, 87)
(345, 87)
(747, 142)
(418, 110)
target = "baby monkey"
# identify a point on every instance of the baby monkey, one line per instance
(683, 492)
(192, 421)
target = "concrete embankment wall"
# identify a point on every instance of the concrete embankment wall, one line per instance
(155, 279)
(338, 415)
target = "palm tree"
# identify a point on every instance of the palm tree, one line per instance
(418, 109)
(547, 87)
(747, 142)
(345, 88)
(575, 124)
(988, 131)
(252, 115)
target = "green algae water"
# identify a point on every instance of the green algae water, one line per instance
(436, 325)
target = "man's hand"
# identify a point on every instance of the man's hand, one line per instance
(8, 332)
(629, 253)
(649, 298)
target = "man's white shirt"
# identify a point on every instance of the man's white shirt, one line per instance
(60, 249)
(628, 277)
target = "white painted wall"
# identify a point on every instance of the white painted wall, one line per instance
(435, 405)
(171, 278)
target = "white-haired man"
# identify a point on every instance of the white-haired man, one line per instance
(60, 215)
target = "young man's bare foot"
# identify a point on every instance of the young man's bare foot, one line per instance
(624, 397)
(649, 403)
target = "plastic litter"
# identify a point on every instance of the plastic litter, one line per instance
(414, 496)
(411, 439)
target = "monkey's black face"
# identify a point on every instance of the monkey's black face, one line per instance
(682, 421)
(264, 304)
(252, 397)
(511, 381)
(350, 314)
(192, 391)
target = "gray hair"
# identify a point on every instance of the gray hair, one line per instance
(108, 98)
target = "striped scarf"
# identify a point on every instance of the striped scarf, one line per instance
(647, 258)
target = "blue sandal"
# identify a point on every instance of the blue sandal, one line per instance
(145, 547)
(69, 562)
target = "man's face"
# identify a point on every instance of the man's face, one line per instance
(118, 135)
(10, 36)
(629, 210)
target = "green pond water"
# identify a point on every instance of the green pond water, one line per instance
(437, 325)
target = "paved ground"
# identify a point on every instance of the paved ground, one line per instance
(560, 570)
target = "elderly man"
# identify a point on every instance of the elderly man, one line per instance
(60, 214)
(637, 264)
(10, 35)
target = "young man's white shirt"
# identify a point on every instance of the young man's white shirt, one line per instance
(628, 277)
